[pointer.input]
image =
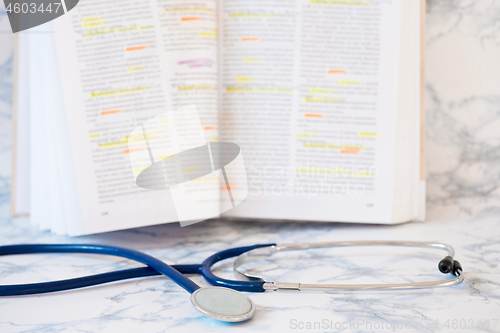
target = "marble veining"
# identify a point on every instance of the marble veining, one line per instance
(463, 123)
(463, 140)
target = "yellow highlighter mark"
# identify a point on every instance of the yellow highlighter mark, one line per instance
(133, 138)
(250, 59)
(314, 170)
(164, 157)
(205, 180)
(198, 87)
(322, 145)
(349, 83)
(306, 135)
(113, 144)
(245, 79)
(191, 169)
(339, 2)
(135, 68)
(259, 90)
(253, 15)
(93, 22)
(185, 9)
(332, 146)
(120, 143)
(364, 174)
(319, 170)
(322, 100)
(139, 137)
(369, 135)
(208, 35)
(138, 170)
(118, 92)
(111, 30)
(340, 171)
(321, 91)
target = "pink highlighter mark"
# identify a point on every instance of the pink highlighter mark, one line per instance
(195, 63)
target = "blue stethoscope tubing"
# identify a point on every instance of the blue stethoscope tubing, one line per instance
(154, 267)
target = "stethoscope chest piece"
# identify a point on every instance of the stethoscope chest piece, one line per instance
(223, 304)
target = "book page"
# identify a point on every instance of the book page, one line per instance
(20, 184)
(309, 91)
(409, 187)
(121, 66)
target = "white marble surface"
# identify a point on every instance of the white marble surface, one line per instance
(463, 109)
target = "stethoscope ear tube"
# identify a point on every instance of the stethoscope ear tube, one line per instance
(76, 283)
(92, 280)
(153, 264)
(245, 254)
(221, 303)
(251, 286)
(446, 265)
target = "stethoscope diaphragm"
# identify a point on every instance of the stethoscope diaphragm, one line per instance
(223, 304)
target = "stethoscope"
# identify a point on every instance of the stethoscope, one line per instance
(223, 300)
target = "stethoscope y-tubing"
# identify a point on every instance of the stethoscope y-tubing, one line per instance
(154, 267)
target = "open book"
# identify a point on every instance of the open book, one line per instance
(324, 98)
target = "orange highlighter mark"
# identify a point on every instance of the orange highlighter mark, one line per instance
(102, 113)
(336, 71)
(228, 187)
(135, 48)
(184, 19)
(209, 128)
(249, 39)
(313, 115)
(350, 150)
(131, 150)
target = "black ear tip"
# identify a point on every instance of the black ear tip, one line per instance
(446, 265)
(457, 268)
